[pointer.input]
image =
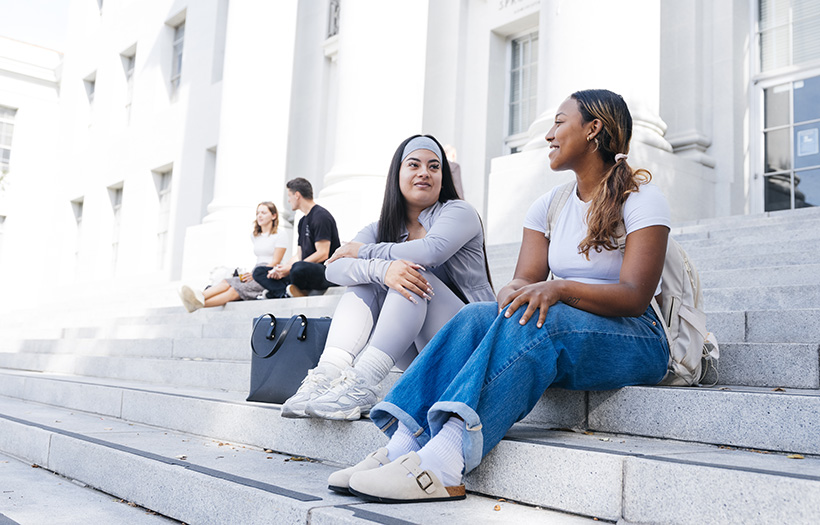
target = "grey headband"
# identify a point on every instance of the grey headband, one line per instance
(421, 143)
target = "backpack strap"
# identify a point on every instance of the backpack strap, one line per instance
(559, 200)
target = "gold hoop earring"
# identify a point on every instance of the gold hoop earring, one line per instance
(589, 137)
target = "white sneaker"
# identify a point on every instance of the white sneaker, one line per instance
(191, 299)
(349, 398)
(313, 385)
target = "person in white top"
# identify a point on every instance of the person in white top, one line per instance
(269, 246)
(592, 329)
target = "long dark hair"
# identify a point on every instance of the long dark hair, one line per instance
(393, 216)
(394, 207)
(604, 215)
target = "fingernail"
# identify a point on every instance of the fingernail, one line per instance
(427, 297)
(507, 314)
(538, 325)
(521, 322)
(414, 301)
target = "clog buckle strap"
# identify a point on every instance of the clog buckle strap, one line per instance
(425, 482)
(423, 478)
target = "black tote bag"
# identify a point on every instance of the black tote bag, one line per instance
(282, 355)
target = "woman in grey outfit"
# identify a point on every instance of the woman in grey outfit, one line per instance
(406, 276)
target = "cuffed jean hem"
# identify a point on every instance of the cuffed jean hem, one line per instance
(385, 415)
(472, 444)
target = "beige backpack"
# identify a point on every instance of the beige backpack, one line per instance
(693, 350)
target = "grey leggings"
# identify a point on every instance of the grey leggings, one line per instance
(369, 313)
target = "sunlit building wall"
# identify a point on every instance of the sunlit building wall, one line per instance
(176, 117)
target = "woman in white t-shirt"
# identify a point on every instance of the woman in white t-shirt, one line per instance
(269, 246)
(592, 329)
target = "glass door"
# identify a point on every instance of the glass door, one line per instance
(791, 145)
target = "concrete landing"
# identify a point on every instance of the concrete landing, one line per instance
(31, 495)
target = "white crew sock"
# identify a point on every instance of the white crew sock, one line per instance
(373, 365)
(401, 442)
(443, 455)
(334, 360)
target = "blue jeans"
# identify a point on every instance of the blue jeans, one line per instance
(491, 371)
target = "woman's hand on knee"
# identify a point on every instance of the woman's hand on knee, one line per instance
(405, 278)
(348, 249)
(537, 296)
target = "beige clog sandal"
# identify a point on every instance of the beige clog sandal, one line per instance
(338, 481)
(402, 481)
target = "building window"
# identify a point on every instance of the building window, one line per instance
(162, 180)
(333, 18)
(176, 64)
(523, 89)
(129, 61)
(115, 194)
(788, 33)
(6, 132)
(77, 208)
(791, 144)
(90, 86)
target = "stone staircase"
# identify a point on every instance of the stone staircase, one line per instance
(146, 402)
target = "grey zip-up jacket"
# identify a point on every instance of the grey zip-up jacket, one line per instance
(454, 241)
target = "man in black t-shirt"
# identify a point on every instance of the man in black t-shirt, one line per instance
(318, 239)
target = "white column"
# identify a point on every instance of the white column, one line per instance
(686, 53)
(601, 44)
(253, 133)
(381, 72)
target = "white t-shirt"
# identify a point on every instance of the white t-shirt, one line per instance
(647, 207)
(265, 244)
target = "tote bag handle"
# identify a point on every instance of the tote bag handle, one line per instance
(301, 335)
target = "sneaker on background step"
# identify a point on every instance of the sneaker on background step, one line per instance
(192, 299)
(294, 291)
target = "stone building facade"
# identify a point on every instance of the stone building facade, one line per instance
(164, 122)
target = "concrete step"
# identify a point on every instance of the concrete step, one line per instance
(228, 348)
(785, 420)
(201, 480)
(171, 322)
(804, 274)
(733, 221)
(792, 256)
(793, 365)
(759, 418)
(198, 373)
(744, 221)
(772, 263)
(103, 310)
(797, 297)
(633, 479)
(755, 228)
(761, 247)
(768, 365)
(766, 326)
